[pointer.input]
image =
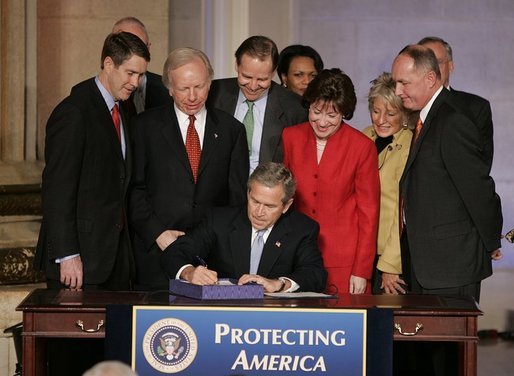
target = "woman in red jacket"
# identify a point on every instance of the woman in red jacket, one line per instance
(335, 167)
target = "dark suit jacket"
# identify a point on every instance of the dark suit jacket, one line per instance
(164, 195)
(84, 185)
(156, 93)
(480, 110)
(283, 109)
(223, 241)
(452, 213)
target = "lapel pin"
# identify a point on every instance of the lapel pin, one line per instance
(278, 244)
(215, 135)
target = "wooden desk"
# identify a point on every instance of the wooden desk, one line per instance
(56, 314)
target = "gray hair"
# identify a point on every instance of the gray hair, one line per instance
(271, 174)
(182, 56)
(447, 47)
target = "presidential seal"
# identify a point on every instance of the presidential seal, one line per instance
(170, 345)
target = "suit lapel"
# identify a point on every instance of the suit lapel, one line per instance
(272, 126)
(240, 238)
(171, 132)
(128, 146)
(210, 140)
(274, 245)
(103, 115)
(415, 146)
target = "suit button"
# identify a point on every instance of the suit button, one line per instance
(315, 176)
(313, 211)
(195, 205)
(314, 194)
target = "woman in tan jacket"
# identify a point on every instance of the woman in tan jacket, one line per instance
(391, 132)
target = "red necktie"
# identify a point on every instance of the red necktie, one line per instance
(116, 120)
(193, 148)
(417, 131)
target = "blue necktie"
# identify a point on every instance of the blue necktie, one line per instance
(256, 252)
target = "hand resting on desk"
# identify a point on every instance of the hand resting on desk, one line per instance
(270, 285)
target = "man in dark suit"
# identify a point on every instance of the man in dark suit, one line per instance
(226, 240)
(478, 107)
(272, 107)
(151, 92)
(83, 241)
(174, 180)
(452, 213)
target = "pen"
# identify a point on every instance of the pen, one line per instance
(201, 261)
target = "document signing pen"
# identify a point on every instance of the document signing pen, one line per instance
(201, 261)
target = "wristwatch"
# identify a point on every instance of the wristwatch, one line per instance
(282, 284)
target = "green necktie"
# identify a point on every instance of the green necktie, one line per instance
(248, 123)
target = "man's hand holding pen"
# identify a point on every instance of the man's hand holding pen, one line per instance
(199, 275)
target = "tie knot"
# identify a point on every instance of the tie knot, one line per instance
(192, 119)
(260, 233)
(250, 104)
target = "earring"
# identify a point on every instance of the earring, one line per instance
(405, 126)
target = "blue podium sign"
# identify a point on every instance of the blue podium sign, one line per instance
(248, 341)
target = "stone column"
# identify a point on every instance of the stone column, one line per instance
(12, 92)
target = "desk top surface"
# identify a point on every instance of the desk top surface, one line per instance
(66, 300)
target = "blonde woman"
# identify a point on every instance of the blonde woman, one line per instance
(392, 135)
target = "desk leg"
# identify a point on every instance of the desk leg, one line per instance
(34, 349)
(33, 361)
(468, 358)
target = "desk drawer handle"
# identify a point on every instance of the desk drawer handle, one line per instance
(80, 324)
(416, 329)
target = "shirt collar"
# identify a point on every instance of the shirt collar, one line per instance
(424, 111)
(184, 118)
(109, 100)
(258, 103)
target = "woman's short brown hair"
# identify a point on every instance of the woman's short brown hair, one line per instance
(334, 86)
